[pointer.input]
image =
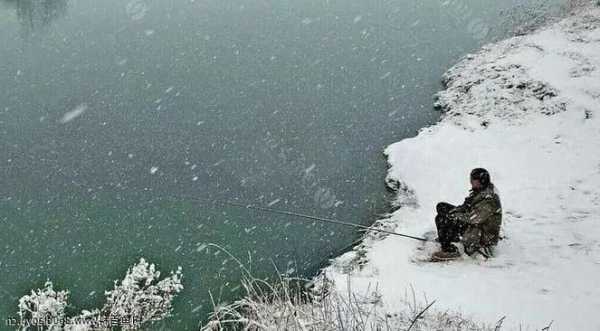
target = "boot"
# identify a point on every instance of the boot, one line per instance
(448, 253)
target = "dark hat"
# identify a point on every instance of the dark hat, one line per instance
(482, 175)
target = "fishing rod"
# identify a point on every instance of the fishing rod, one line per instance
(304, 216)
(315, 218)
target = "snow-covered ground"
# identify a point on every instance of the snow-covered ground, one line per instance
(528, 110)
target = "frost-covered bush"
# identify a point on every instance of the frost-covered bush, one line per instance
(137, 299)
(44, 307)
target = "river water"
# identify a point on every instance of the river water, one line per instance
(114, 115)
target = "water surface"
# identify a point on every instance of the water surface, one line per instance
(114, 113)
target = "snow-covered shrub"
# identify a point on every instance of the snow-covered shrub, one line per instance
(137, 299)
(43, 307)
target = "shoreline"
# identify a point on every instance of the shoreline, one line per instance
(399, 193)
(465, 113)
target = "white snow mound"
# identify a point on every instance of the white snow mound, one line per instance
(528, 110)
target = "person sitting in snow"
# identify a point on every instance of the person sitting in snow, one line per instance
(476, 223)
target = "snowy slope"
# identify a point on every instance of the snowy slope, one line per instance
(528, 109)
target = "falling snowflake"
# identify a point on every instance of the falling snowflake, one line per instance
(73, 114)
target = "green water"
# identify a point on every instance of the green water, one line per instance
(272, 102)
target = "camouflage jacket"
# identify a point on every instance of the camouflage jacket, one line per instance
(482, 214)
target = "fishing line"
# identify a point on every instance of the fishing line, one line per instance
(304, 216)
(314, 218)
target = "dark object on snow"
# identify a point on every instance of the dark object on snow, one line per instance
(442, 256)
(476, 223)
(449, 230)
(482, 175)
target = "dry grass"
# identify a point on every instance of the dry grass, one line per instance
(294, 304)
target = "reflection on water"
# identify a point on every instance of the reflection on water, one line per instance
(35, 14)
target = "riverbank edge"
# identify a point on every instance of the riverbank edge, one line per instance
(403, 195)
(336, 277)
(357, 256)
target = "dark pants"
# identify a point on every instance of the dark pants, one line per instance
(449, 230)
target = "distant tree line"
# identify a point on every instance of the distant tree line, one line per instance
(34, 14)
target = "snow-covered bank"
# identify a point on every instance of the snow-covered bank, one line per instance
(528, 109)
